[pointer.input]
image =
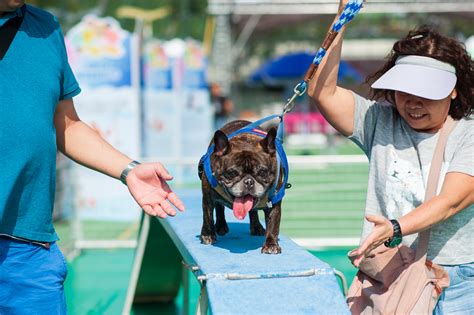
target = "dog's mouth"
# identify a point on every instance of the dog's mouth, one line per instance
(242, 205)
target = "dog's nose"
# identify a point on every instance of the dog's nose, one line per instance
(249, 182)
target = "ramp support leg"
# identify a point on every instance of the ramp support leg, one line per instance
(185, 290)
(202, 306)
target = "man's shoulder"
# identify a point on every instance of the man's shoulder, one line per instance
(40, 15)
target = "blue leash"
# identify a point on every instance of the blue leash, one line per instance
(350, 10)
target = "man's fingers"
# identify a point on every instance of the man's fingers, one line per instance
(162, 172)
(159, 211)
(165, 205)
(148, 210)
(174, 199)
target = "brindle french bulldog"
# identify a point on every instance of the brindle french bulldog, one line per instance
(245, 170)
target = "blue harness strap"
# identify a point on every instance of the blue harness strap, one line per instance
(274, 196)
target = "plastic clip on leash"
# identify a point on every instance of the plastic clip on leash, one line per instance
(350, 10)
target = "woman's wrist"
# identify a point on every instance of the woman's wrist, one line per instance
(396, 237)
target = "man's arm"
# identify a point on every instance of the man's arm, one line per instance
(146, 182)
(82, 144)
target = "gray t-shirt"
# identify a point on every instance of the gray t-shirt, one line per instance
(400, 159)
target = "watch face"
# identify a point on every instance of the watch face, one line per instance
(395, 242)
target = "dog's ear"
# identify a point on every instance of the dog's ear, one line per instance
(221, 143)
(268, 143)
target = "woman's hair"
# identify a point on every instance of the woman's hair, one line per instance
(425, 41)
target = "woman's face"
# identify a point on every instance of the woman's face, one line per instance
(422, 114)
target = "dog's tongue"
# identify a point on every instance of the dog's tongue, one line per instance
(242, 206)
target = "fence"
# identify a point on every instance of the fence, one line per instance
(323, 208)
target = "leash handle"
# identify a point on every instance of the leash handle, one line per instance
(350, 11)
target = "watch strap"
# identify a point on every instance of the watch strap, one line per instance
(126, 170)
(397, 235)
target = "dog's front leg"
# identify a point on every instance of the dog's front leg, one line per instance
(208, 231)
(272, 220)
(221, 224)
(256, 227)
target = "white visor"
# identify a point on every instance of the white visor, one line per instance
(421, 76)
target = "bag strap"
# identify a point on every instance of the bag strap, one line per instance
(9, 30)
(433, 179)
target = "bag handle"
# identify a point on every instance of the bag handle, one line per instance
(433, 179)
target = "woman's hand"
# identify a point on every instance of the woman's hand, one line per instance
(382, 231)
(147, 184)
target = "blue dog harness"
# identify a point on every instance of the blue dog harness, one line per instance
(274, 195)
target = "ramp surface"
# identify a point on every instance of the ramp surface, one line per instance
(294, 282)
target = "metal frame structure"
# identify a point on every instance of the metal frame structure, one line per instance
(225, 51)
(248, 7)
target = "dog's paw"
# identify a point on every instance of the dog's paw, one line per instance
(257, 230)
(271, 249)
(222, 229)
(208, 239)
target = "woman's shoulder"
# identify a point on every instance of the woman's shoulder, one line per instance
(464, 129)
(467, 122)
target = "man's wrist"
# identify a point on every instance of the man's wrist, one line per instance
(127, 170)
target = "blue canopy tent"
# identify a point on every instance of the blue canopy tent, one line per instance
(290, 68)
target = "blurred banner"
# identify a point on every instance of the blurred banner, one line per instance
(100, 53)
(153, 106)
(177, 110)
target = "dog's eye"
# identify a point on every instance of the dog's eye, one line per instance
(263, 172)
(230, 174)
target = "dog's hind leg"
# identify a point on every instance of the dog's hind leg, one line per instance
(221, 224)
(256, 227)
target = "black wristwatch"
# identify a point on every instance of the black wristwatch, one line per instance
(397, 235)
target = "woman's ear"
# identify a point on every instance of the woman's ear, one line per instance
(454, 94)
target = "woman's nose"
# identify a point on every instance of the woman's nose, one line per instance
(414, 105)
(413, 101)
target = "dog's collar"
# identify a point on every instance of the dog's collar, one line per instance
(274, 196)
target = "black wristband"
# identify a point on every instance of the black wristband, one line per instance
(397, 235)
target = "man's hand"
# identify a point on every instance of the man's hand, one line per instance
(383, 230)
(147, 184)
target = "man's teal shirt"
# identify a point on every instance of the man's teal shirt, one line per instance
(34, 76)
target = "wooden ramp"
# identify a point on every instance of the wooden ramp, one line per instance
(235, 277)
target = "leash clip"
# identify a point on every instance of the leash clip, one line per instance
(299, 90)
